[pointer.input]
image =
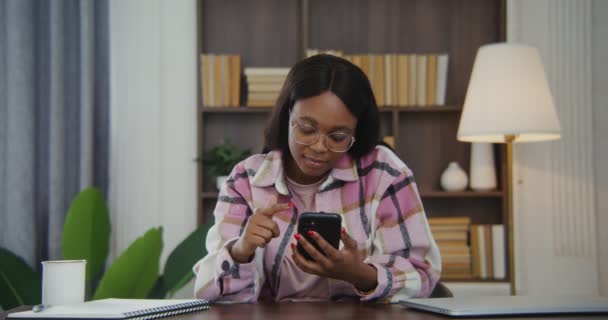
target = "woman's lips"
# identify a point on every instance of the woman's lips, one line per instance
(314, 163)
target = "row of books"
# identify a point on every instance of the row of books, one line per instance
(451, 235)
(397, 79)
(470, 251)
(488, 248)
(405, 79)
(311, 52)
(402, 79)
(264, 85)
(220, 80)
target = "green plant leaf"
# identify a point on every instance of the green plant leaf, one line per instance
(159, 290)
(220, 160)
(19, 283)
(134, 273)
(178, 268)
(86, 231)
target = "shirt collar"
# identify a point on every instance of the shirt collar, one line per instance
(271, 171)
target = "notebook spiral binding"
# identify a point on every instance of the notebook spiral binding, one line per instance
(155, 313)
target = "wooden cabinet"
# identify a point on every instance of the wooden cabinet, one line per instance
(276, 33)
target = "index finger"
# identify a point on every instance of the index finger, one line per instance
(274, 209)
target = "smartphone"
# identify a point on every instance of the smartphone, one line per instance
(328, 225)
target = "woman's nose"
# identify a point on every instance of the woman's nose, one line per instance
(319, 145)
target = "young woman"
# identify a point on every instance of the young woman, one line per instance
(323, 155)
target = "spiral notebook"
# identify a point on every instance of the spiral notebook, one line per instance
(116, 309)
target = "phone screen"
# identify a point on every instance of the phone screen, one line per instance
(327, 225)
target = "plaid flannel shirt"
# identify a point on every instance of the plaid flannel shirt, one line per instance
(381, 209)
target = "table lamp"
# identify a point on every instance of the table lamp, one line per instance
(508, 101)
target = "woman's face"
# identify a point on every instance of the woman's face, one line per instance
(327, 115)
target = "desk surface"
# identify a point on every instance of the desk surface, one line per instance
(332, 310)
(329, 310)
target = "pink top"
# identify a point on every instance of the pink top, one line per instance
(380, 207)
(300, 285)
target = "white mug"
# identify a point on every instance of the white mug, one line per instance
(63, 281)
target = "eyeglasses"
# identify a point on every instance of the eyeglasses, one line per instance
(309, 135)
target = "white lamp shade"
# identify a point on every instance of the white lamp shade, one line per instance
(508, 94)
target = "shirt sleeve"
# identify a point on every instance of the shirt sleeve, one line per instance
(405, 254)
(218, 276)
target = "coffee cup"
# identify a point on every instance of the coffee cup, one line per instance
(63, 282)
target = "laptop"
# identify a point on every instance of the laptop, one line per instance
(510, 305)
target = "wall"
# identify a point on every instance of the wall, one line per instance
(153, 127)
(554, 191)
(599, 42)
(153, 178)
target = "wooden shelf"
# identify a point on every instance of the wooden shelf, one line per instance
(461, 194)
(425, 137)
(209, 195)
(473, 280)
(236, 110)
(446, 108)
(423, 194)
(242, 109)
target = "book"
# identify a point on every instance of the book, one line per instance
(487, 229)
(442, 78)
(265, 87)
(116, 309)
(498, 248)
(448, 242)
(260, 103)
(483, 261)
(235, 80)
(257, 96)
(204, 79)
(221, 80)
(449, 227)
(476, 251)
(388, 80)
(377, 78)
(207, 67)
(269, 79)
(390, 140)
(224, 83)
(449, 235)
(412, 82)
(431, 79)
(266, 71)
(421, 74)
(217, 81)
(486, 263)
(395, 78)
(450, 221)
(402, 80)
(312, 51)
(451, 249)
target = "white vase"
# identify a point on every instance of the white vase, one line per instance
(454, 178)
(219, 181)
(483, 170)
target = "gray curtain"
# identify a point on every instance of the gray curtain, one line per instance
(54, 117)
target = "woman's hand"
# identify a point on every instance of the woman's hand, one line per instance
(346, 264)
(260, 229)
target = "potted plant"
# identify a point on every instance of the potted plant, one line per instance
(21, 285)
(219, 161)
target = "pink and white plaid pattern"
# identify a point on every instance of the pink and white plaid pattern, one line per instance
(380, 207)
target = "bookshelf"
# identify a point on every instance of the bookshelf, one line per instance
(276, 33)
